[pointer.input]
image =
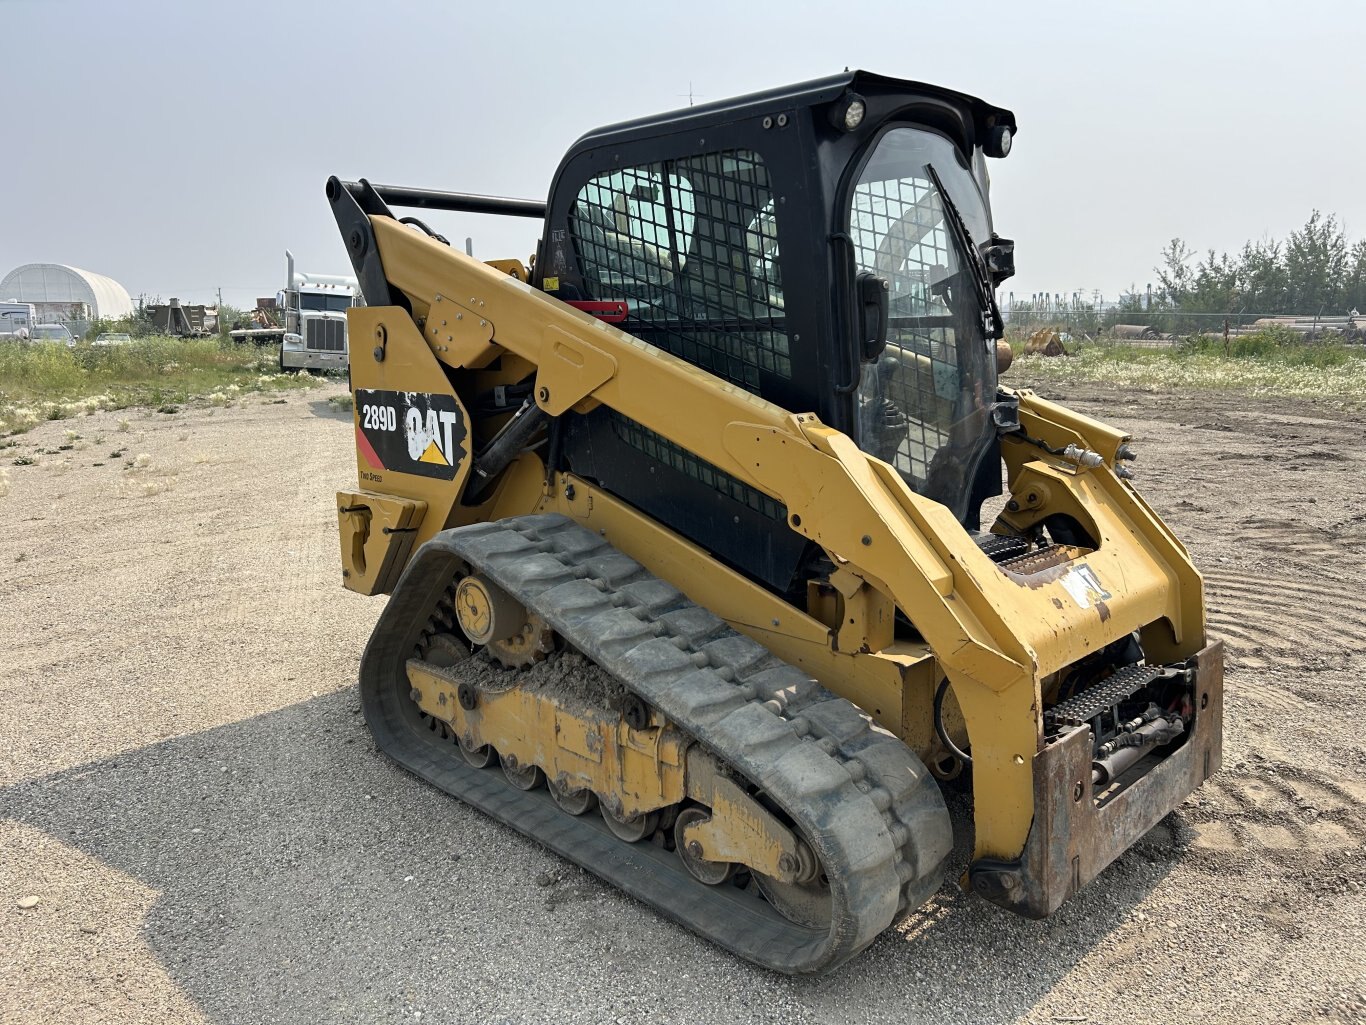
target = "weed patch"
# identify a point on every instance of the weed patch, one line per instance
(1266, 363)
(51, 382)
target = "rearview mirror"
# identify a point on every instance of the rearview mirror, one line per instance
(873, 300)
(999, 256)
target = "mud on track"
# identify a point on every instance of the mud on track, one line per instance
(186, 785)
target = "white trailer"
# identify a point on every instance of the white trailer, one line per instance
(17, 320)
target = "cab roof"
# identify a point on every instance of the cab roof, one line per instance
(813, 93)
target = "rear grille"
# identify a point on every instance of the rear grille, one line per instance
(1001, 547)
(325, 335)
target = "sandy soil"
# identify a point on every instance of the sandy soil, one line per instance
(188, 790)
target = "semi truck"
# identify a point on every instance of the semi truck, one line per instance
(307, 320)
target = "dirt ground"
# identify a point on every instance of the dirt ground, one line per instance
(188, 789)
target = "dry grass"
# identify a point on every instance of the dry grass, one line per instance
(1333, 373)
(142, 479)
(52, 382)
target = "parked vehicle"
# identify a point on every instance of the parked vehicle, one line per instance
(113, 338)
(183, 320)
(53, 333)
(741, 486)
(307, 320)
(17, 320)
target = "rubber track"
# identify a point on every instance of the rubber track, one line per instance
(860, 797)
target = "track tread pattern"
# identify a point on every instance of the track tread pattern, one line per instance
(864, 801)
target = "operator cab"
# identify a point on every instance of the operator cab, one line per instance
(827, 246)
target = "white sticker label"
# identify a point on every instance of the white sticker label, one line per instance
(1084, 586)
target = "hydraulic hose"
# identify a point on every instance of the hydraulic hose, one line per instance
(944, 737)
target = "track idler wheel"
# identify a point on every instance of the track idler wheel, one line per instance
(572, 802)
(481, 756)
(806, 903)
(713, 873)
(444, 650)
(523, 777)
(632, 829)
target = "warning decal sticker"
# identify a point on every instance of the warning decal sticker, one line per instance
(1084, 586)
(410, 432)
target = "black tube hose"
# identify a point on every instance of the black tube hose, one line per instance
(944, 738)
(420, 224)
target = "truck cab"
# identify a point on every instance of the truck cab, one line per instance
(315, 308)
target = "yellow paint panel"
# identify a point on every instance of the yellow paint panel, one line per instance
(572, 370)
(409, 365)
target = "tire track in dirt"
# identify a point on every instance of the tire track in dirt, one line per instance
(1282, 634)
(1267, 812)
(1295, 629)
(1299, 540)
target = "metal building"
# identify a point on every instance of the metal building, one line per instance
(66, 295)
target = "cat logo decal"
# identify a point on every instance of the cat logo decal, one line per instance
(410, 432)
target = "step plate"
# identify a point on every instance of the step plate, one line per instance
(1081, 708)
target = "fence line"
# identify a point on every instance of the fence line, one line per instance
(1150, 323)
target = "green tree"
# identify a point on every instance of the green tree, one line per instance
(1262, 280)
(1354, 288)
(1214, 287)
(230, 317)
(1174, 275)
(1314, 270)
(1316, 263)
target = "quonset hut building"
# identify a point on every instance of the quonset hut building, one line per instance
(66, 295)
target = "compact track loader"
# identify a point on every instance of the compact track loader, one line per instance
(683, 528)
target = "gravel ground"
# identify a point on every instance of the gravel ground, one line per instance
(188, 789)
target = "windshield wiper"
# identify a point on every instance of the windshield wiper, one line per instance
(986, 294)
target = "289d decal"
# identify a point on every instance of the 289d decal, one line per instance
(379, 418)
(410, 432)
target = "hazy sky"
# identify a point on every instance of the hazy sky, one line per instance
(182, 146)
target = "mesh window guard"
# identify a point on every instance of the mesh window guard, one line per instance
(909, 397)
(691, 246)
